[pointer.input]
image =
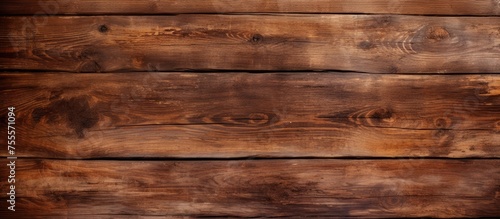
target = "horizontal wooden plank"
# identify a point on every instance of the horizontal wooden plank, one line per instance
(240, 114)
(362, 43)
(257, 188)
(96, 7)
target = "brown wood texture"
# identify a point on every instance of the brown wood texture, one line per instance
(250, 108)
(360, 43)
(228, 115)
(258, 188)
(97, 7)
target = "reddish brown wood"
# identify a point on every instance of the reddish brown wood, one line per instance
(363, 43)
(98, 7)
(267, 115)
(300, 144)
(257, 188)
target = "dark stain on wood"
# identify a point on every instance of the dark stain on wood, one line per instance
(76, 112)
(366, 45)
(382, 114)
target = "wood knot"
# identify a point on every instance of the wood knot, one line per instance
(442, 123)
(258, 118)
(89, 66)
(437, 33)
(382, 115)
(252, 119)
(256, 39)
(103, 28)
(391, 199)
(366, 45)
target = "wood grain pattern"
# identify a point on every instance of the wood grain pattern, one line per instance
(251, 108)
(263, 115)
(97, 7)
(258, 188)
(361, 43)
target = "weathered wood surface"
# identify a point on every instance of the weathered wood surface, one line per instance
(257, 188)
(404, 121)
(97, 7)
(264, 115)
(361, 43)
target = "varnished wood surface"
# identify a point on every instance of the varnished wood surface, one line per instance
(258, 188)
(360, 43)
(259, 115)
(97, 7)
(251, 108)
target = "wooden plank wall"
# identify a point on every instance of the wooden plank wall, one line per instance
(222, 108)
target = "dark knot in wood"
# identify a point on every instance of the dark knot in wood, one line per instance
(257, 38)
(103, 29)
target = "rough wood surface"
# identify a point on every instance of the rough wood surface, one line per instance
(258, 188)
(251, 108)
(96, 7)
(240, 114)
(362, 43)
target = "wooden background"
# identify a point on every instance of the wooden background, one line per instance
(256, 108)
